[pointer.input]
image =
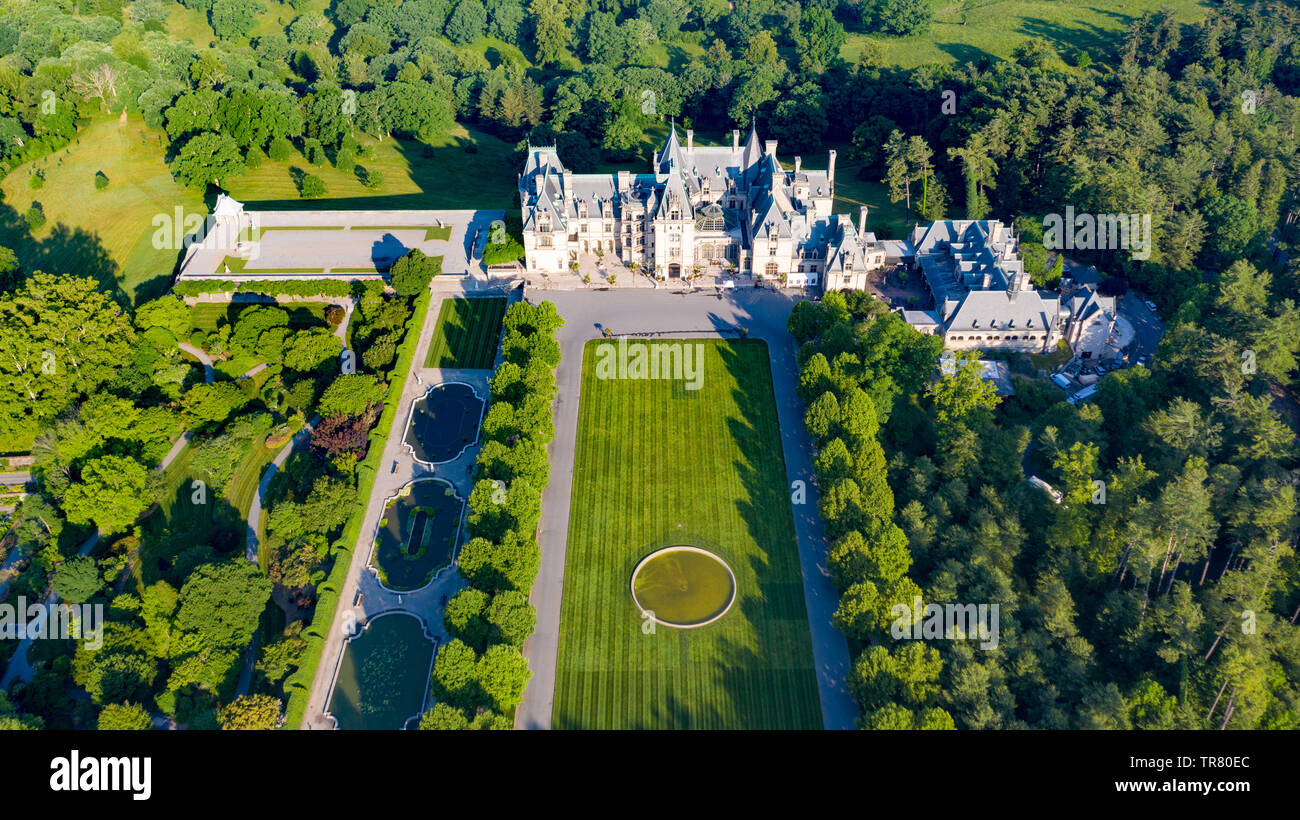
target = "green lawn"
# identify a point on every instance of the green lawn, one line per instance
(467, 334)
(994, 28)
(659, 465)
(110, 234)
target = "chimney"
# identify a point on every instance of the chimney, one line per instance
(735, 140)
(769, 147)
(830, 171)
(624, 180)
(798, 163)
(690, 140)
(862, 220)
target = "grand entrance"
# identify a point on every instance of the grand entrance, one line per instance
(674, 271)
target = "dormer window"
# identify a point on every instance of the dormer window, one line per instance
(582, 210)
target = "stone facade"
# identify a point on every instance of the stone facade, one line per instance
(701, 209)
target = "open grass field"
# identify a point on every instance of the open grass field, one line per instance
(658, 465)
(978, 29)
(467, 334)
(106, 234)
(109, 234)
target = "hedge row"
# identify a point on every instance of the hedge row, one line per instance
(268, 287)
(297, 687)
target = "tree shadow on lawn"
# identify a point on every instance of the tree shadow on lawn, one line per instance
(1100, 43)
(63, 250)
(777, 669)
(186, 534)
(429, 169)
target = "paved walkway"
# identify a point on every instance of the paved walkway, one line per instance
(361, 594)
(203, 358)
(763, 313)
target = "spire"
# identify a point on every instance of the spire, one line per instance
(753, 148)
(672, 152)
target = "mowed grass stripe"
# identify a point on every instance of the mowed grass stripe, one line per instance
(467, 333)
(658, 465)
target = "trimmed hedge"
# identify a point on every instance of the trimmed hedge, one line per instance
(297, 687)
(268, 287)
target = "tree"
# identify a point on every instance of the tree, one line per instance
(412, 273)
(234, 19)
(337, 435)
(212, 403)
(98, 83)
(111, 494)
(352, 395)
(454, 675)
(10, 270)
(63, 337)
(467, 23)
(115, 717)
(419, 109)
(464, 617)
(902, 17)
(818, 40)
(1233, 225)
(222, 602)
(168, 312)
(310, 186)
(510, 564)
(502, 673)
(512, 617)
(964, 390)
(312, 348)
(444, 717)
(207, 158)
(252, 712)
(76, 580)
(551, 33)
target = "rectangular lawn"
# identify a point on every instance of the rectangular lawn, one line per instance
(658, 465)
(467, 334)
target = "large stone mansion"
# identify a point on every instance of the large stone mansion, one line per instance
(701, 209)
(982, 294)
